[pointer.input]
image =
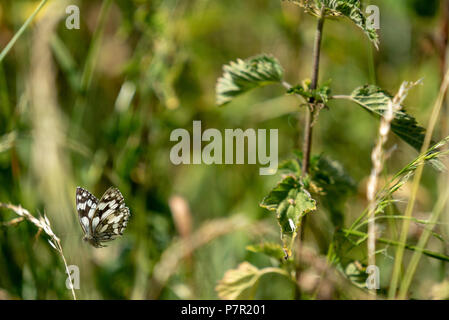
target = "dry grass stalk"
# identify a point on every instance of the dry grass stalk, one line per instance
(49, 162)
(43, 224)
(378, 158)
(182, 216)
(179, 250)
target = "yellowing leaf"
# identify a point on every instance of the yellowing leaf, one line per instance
(241, 283)
(238, 283)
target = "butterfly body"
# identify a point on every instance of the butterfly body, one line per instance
(101, 220)
(93, 241)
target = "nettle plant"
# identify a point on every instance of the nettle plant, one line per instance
(308, 182)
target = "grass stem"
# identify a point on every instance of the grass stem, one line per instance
(416, 182)
(22, 29)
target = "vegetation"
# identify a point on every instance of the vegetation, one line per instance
(363, 129)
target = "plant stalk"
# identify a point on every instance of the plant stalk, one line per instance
(22, 29)
(416, 181)
(413, 265)
(307, 142)
(428, 253)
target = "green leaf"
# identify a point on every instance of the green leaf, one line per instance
(243, 75)
(320, 95)
(270, 249)
(356, 273)
(290, 166)
(238, 283)
(327, 179)
(375, 100)
(291, 202)
(351, 9)
(335, 185)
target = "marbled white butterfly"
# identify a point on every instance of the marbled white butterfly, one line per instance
(102, 220)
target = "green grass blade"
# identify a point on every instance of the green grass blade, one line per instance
(21, 31)
(416, 181)
(439, 207)
(429, 253)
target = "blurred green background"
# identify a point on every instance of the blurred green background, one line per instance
(95, 107)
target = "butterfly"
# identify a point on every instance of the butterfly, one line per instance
(101, 220)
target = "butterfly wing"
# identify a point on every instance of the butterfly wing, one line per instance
(112, 216)
(111, 228)
(86, 204)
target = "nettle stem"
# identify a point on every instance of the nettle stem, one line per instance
(307, 142)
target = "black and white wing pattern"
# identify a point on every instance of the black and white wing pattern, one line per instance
(102, 220)
(113, 215)
(86, 205)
